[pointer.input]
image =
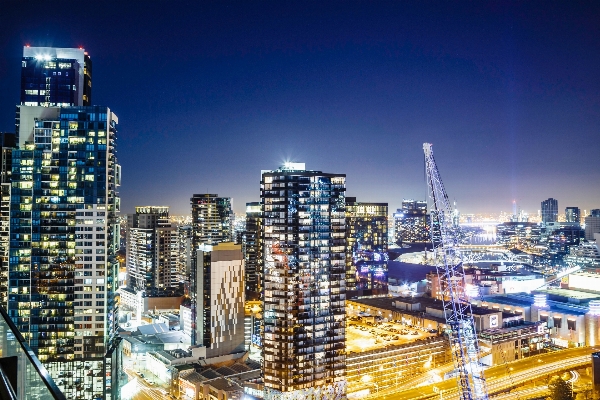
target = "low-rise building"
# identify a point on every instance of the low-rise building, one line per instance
(185, 319)
(564, 316)
(421, 312)
(221, 389)
(190, 385)
(171, 320)
(512, 343)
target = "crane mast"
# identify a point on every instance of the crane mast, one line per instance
(457, 309)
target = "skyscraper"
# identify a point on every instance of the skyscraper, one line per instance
(64, 238)
(303, 240)
(366, 247)
(52, 76)
(211, 225)
(573, 214)
(550, 210)
(152, 249)
(252, 251)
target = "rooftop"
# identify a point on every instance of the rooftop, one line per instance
(570, 293)
(224, 384)
(388, 303)
(193, 377)
(511, 301)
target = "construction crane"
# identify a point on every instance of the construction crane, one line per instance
(457, 308)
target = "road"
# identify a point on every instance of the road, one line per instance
(496, 377)
(145, 391)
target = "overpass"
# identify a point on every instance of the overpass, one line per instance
(497, 378)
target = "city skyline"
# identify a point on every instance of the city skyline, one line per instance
(215, 93)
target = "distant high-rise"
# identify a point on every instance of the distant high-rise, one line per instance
(303, 241)
(592, 224)
(220, 297)
(152, 249)
(53, 76)
(64, 233)
(411, 223)
(252, 251)
(366, 247)
(573, 214)
(211, 219)
(550, 210)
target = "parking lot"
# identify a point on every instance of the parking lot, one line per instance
(365, 335)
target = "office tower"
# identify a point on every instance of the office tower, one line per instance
(53, 76)
(366, 247)
(550, 210)
(252, 251)
(211, 224)
(152, 249)
(64, 238)
(220, 296)
(573, 214)
(412, 222)
(592, 224)
(303, 240)
(211, 219)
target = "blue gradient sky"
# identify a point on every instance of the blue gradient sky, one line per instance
(210, 94)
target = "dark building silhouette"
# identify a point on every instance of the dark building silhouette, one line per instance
(550, 210)
(573, 214)
(252, 251)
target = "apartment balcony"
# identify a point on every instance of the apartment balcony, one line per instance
(22, 376)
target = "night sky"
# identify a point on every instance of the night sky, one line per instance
(208, 94)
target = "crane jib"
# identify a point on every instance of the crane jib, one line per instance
(457, 308)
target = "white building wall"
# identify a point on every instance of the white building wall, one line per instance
(90, 306)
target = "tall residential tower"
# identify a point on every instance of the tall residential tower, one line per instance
(303, 240)
(64, 237)
(152, 249)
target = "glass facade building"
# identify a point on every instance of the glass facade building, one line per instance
(64, 237)
(366, 247)
(53, 76)
(303, 239)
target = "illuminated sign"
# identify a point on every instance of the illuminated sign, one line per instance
(493, 321)
(541, 329)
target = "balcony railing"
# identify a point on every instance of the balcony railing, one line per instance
(22, 376)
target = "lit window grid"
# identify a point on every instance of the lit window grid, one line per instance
(316, 253)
